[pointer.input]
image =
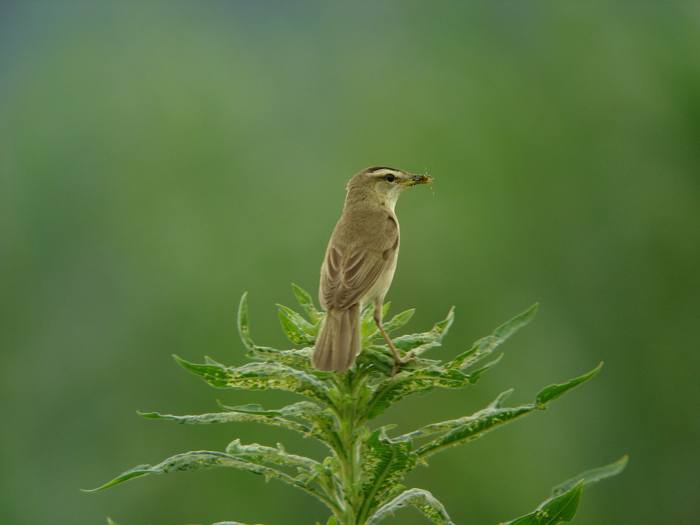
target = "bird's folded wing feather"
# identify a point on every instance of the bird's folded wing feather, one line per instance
(349, 272)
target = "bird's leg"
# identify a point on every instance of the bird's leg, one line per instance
(398, 360)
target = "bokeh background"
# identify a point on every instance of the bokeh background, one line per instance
(159, 158)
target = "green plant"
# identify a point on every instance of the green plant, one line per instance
(360, 481)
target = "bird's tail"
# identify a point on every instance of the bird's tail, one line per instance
(338, 341)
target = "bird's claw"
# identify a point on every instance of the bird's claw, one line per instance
(398, 363)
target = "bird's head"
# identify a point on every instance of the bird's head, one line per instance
(386, 184)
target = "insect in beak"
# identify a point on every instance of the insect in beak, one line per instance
(414, 180)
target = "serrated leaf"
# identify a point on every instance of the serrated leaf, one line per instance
(464, 430)
(421, 499)
(410, 382)
(302, 409)
(385, 462)
(297, 329)
(246, 414)
(378, 357)
(307, 303)
(399, 320)
(244, 323)
(297, 358)
(552, 392)
(479, 419)
(261, 454)
(210, 361)
(554, 510)
(206, 459)
(470, 428)
(562, 505)
(419, 343)
(593, 475)
(259, 376)
(487, 345)
(195, 460)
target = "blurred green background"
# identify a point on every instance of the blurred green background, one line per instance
(158, 159)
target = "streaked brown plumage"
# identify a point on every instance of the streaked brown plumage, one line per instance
(359, 264)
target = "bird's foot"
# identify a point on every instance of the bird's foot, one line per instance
(401, 361)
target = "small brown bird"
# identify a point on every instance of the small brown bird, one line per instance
(359, 264)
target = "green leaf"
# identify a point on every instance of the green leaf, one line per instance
(303, 409)
(244, 323)
(419, 343)
(307, 303)
(195, 460)
(111, 522)
(554, 510)
(493, 413)
(421, 499)
(378, 357)
(466, 429)
(259, 376)
(297, 329)
(593, 475)
(261, 454)
(562, 505)
(248, 413)
(297, 358)
(385, 462)
(410, 382)
(487, 345)
(552, 392)
(205, 459)
(399, 320)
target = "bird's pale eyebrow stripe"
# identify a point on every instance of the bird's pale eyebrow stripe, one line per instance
(378, 168)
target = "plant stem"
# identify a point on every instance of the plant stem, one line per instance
(349, 455)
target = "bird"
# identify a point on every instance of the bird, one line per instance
(359, 265)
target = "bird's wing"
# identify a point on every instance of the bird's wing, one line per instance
(349, 272)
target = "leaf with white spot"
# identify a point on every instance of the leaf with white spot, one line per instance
(244, 323)
(307, 304)
(554, 510)
(297, 329)
(249, 413)
(399, 320)
(305, 469)
(563, 503)
(205, 459)
(421, 499)
(408, 382)
(419, 343)
(259, 376)
(486, 345)
(466, 429)
(593, 475)
(385, 462)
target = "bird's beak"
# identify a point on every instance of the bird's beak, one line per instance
(413, 180)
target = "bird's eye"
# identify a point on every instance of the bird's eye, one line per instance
(389, 178)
